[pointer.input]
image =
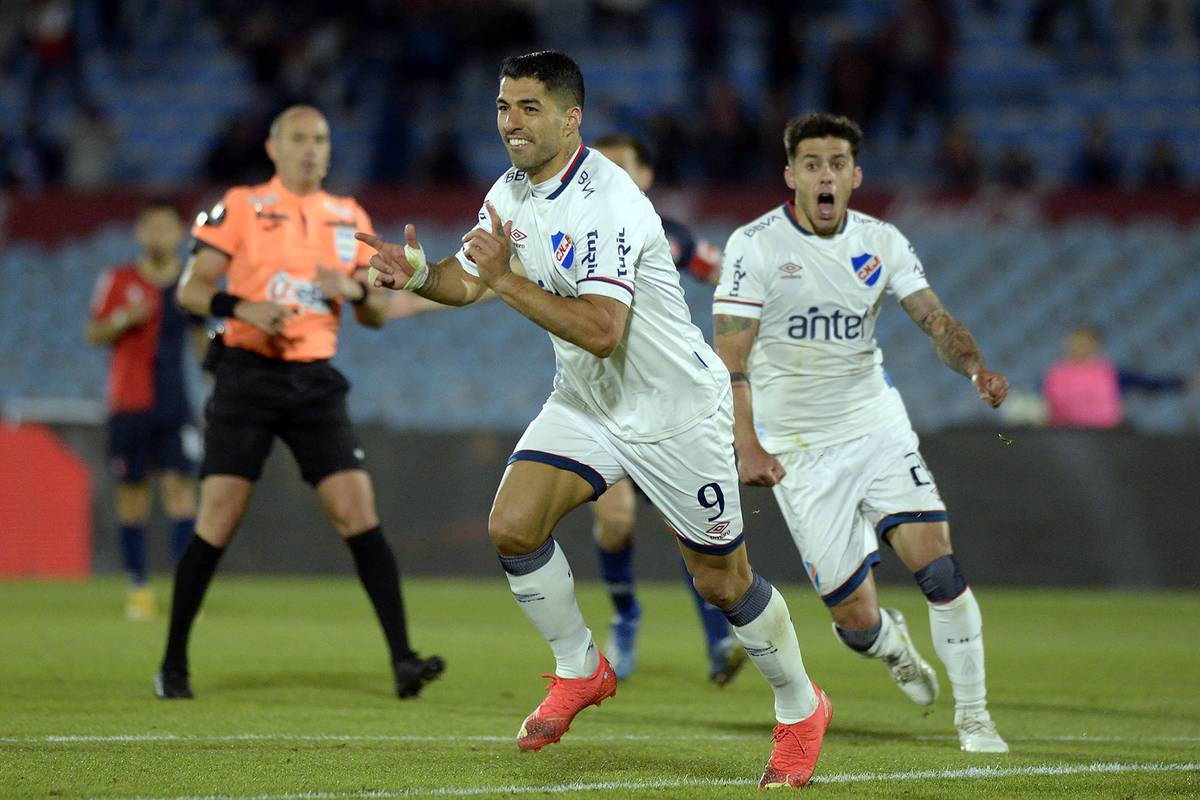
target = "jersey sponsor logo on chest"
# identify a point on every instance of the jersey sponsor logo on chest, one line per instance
(867, 268)
(289, 291)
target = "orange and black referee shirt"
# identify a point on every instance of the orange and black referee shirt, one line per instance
(275, 241)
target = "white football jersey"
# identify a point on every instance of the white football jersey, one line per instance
(816, 372)
(590, 230)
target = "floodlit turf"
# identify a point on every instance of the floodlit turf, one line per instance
(1097, 693)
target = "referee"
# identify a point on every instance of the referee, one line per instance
(288, 254)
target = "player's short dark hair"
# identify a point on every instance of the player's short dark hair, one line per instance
(557, 71)
(158, 203)
(640, 151)
(818, 125)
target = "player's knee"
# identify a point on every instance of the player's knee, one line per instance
(941, 580)
(513, 533)
(855, 615)
(720, 587)
(612, 530)
(180, 502)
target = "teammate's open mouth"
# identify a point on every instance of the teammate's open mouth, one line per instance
(825, 205)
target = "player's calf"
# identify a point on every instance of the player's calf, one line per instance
(888, 640)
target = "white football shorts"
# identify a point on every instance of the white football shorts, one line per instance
(839, 500)
(691, 477)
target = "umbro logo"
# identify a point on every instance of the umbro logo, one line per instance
(517, 235)
(719, 530)
(791, 270)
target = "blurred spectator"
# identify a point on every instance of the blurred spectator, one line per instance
(34, 158)
(854, 79)
(53, 51)
(91, 144)
(8, 177)
(1156, 25)
(959, 165)
(1046, 18)
(1016, 169)
(1084, 389)
(237, 155)
(1162, 169)
(707, 38)
(727, 136)
(622, 21)
(919, 47)
(667, 140)
(443, 162)
(1096, 166)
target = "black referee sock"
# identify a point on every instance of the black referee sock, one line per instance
(192, 576)
(376, 565)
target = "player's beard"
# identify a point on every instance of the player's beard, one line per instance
(532, 159)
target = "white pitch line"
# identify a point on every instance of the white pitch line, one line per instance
(450, 739)
(968, 773)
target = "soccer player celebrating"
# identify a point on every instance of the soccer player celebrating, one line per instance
(150, 425)
(615, 511)
(566, 239)
(795, 313)
(287, 251)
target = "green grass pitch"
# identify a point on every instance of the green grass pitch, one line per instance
(1098, 694)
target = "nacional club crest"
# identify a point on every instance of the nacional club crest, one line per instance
(564, 249)
(867, 267)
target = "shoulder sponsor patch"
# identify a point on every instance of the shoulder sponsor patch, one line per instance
(344, 243)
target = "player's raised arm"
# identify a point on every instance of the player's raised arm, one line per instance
(955, 345)
(734, 336)
(403, 266)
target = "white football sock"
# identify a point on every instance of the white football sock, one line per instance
(547, 596)
(957, 630)
(770, 641)
(889, 644)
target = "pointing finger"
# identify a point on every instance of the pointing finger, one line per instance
(497, 228)
(369, 239)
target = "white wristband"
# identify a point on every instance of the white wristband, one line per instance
(416, 257)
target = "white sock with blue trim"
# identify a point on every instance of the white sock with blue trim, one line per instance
(544, 587)
(763, 625)
(957, 630)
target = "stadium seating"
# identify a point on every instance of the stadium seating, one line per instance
(1008, 93)
(1019, 289)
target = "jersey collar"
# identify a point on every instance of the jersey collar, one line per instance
(789, 211)
(565, 177)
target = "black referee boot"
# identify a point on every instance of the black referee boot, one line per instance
(412, 673)
(172, 684)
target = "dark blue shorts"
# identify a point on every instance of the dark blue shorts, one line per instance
(143, 442)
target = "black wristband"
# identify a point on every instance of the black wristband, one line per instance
(223, 303)
(363, 298)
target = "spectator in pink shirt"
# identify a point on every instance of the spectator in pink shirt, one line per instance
(1084, 389)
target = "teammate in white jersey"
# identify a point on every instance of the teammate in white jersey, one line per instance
(566, 239)
(795, 312)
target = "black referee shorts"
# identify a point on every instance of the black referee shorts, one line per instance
(256, 398)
